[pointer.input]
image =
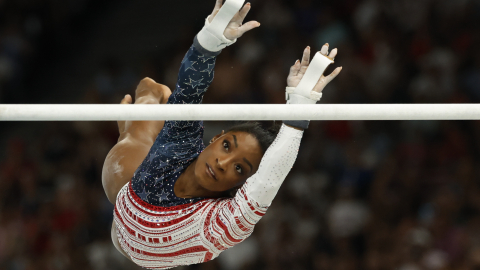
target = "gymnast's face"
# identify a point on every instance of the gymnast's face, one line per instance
(228, 161)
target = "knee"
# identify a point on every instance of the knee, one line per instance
(148, 86)
(147, 82)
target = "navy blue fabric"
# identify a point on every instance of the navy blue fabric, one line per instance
(180, 142)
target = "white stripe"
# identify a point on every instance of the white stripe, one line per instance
(113, 112)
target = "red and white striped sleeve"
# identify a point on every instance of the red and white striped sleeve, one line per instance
(232, 220)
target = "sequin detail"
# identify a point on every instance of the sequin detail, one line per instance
(180, 142)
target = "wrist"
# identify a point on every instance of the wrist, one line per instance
(297, 124)
(295, 98)
(202, 49)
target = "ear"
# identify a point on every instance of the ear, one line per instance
(217, 136)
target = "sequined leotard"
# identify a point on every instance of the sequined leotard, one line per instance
(180, 142)
(159, 230)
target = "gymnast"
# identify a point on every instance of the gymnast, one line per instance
(171, 193)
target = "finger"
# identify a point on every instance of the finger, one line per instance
(305, 60)
(215, 11)
(247, 27)
(126, 100)
(333, 53)
(121, 124)
(326, 80)
(243, 12)
(295, 68)
(218, 5)
(324, 49)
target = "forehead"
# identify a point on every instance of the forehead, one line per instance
(245, 141)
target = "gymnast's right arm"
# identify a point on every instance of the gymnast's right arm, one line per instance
(222, 28)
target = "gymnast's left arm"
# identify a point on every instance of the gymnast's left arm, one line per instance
(235, 219)
(222, 28)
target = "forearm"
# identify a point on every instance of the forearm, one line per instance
(195, 75)
(275, 166)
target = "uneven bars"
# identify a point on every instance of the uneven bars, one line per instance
(212, 112)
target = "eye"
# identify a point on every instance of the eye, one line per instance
(226, 145)
(239, 169)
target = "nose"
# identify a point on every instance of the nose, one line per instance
(222, 162)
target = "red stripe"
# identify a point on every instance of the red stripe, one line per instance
(259, 214)
(240, 225)
(173, 254)
(225, 230)
(154, 207)
(208, 257)
(163, 224)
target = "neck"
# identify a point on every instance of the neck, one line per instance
(188, 187)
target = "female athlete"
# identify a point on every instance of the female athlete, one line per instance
(170, 191)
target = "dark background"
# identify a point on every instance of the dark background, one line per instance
(362, 195)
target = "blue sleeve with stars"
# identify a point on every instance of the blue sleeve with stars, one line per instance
(194, 78)
(180, 142)
(195, 75)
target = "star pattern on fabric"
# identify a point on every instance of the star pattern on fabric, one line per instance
(189, 65)
(152, 157)
(159, 180)
(161, 164)
(143, 175)
(195, 83)
(205, 59)
(183, 124)
(180, 142)
(144, 195)
(209, 69)
(181, 91)
(200, 92)
(163, 196)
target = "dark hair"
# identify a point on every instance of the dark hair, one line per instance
(265, 137)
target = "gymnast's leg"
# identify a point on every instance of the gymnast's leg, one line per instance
(135, 140)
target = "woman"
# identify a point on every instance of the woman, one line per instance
(169, 190)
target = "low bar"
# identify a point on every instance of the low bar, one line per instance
(223, 112)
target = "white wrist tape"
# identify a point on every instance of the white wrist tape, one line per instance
(303, 93)
(211, 36)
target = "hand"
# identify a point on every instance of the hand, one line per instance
(298, 69)
(235, 29)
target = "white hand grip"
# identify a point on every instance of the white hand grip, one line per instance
(211, 36)
(224, 16)
(315, 70)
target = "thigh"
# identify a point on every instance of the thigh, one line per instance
(135, 140)
(120, 165)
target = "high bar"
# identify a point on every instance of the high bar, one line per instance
(224, 112)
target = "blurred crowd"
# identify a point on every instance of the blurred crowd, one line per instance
(28, 28)
(371, 195)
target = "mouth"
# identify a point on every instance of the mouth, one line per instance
(210, 172)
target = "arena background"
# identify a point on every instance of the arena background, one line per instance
(370, 195)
